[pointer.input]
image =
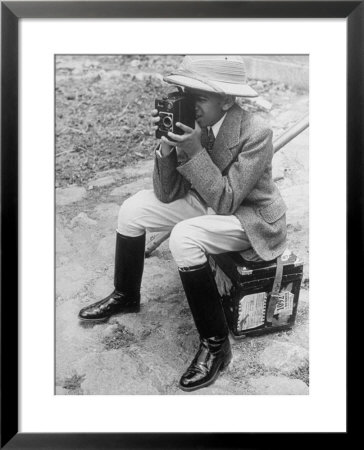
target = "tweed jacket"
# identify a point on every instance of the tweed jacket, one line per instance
(234, 178)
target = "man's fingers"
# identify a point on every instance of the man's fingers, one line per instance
(154, 112)
(184, 127)
(176, 137)
(164, 139)
(156, 119)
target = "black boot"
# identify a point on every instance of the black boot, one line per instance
(129, 264)
(214, 353)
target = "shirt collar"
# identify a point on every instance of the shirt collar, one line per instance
(217, 125)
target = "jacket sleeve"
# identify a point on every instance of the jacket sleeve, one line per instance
(168, 183)
(225, 193)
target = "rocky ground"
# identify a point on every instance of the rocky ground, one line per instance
(103, 155)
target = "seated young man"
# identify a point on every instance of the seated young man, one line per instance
(213, 188)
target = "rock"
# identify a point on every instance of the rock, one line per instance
(63, 259)
(284, 357)
(262, 103)
(157, 76)
(102, 182)
(110, 74)
(103, 286)
(143, 76)
(259, 85)
(106, 247)
(304, 297)
(74, 339)
(159, 369)
(82, 219)
(114, 373)
(140, 169)
(271, 385)
(71, 279)
(71, 194)
(91, 63)
(132, 187)
(76, 63)
(299, 335)
(62, 244)
(107, 212)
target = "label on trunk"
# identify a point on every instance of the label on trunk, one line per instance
(252, 311)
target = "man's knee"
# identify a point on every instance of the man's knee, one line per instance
(131, 209)
(181, 238)
(185, 247)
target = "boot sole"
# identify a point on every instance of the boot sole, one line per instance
(134, 309)
(208, 383)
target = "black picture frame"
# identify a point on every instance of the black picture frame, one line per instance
(11, 12)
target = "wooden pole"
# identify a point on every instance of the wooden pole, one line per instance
(290, 134)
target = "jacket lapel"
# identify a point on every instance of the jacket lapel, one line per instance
(227, 138)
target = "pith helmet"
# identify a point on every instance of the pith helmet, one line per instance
(224, 74)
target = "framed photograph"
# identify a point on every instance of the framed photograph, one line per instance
(79, 83)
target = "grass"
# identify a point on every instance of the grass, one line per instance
(74, 382)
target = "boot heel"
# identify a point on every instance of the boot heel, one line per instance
(225, 364)
(131, 309)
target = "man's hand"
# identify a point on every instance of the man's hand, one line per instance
(189, 142)
(165, 146)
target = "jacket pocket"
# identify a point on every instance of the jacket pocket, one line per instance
(273, 211)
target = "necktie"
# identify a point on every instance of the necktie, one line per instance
(210, 140)
(207, 138)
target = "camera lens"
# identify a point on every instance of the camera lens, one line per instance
(167, 122)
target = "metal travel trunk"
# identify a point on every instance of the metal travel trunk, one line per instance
(246, 290)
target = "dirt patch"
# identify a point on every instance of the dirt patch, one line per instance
(120, 338)
(302, 373)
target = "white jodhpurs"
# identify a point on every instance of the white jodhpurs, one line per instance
(196, 229)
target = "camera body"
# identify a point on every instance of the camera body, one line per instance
(174, 107)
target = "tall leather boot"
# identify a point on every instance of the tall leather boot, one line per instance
(129, 264)
(214, 353)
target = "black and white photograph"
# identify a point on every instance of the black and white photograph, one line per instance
(181, 213)
(181, 224)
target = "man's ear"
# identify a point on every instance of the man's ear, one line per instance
(228, 102)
